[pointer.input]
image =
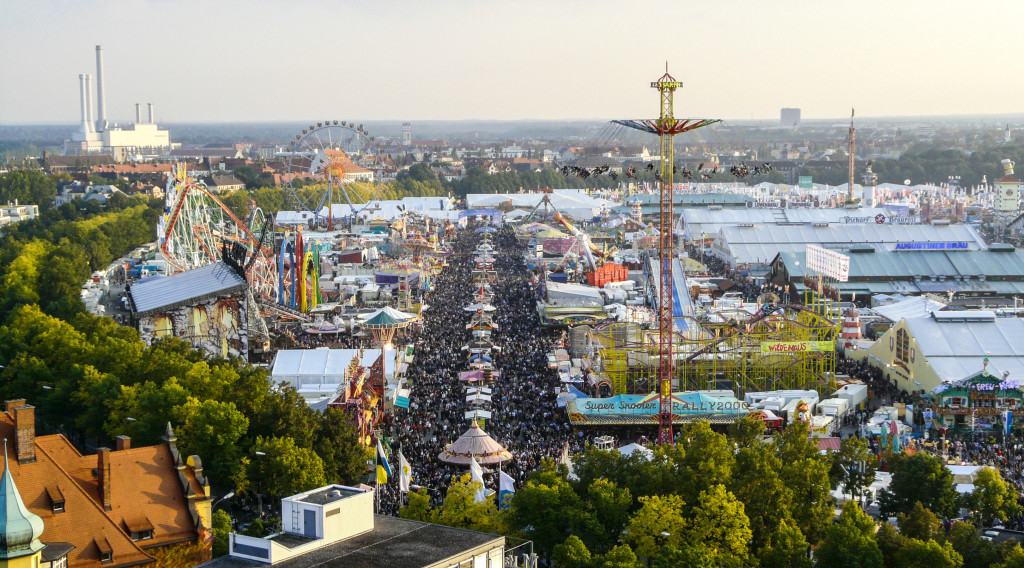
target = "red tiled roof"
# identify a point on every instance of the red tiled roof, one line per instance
(145, 489)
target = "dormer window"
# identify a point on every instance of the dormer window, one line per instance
(139, 528)
(56, 499)
(106, 557)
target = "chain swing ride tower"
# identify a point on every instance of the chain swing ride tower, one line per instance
(666, 127)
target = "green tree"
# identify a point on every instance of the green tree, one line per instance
(787, 548)
(928, 554)
(338, 445)
(812, 500)
(212, 430)
(976, 551)
(221, 532)
(461, 510)
(572, 554)
(890, 542)
(282, 468)
(658, 523)
(853, 466)
(850, 542)
(1013, 559)
(547, 509)
(708, 460)
(919, 523)
(747, 431)
(618, 557)
(766, 499)
(418, 508)
(919, 477)
(610, 505)
(992, 498)
(720, 524)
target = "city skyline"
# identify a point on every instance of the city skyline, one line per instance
(224, 62)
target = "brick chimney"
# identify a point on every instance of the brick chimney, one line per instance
(10, 405)
(103, 476)
(24, 432)
(123, 443)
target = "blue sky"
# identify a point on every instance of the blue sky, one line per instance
(258, 60)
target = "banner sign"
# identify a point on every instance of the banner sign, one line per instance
(954, 245)
(828, 263)
(647, 405)
(797, 346)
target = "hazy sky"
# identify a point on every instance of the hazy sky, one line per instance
(551, 59)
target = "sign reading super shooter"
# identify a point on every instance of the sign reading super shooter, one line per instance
(682, 403)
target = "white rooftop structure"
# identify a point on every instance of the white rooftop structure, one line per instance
(438, 208)
(954, 343)
(574, 203)
(916, 307)
(695, 221)
(319, 372)
(753, 244)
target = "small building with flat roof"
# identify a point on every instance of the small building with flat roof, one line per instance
(335, 526)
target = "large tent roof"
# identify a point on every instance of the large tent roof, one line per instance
(475, 443)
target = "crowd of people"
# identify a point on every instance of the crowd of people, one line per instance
(524, 417)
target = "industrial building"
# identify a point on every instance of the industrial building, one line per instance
(753, 247)
(991, 277)
(96, 135)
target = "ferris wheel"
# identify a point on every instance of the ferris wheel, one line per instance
(196, 226)
(333, 157)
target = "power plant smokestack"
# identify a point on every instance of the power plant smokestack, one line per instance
(101, 105)
(83, 94)
(88, 101)
(152, 114)
(138, 113)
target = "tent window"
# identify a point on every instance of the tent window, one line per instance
(902, 345)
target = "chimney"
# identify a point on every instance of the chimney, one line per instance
(88, 102)
(101, 104)
(152, 114)
(123, 443)
(138, 113)
(10, 405)
(103, 476)
(84, 93)
(24, 432)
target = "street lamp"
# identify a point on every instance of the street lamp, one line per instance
(259, 496)
(221, 500)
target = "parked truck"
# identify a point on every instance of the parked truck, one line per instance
(856, 394)
(834, 407)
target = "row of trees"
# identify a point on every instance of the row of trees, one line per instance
(92, 379)
(737, 500)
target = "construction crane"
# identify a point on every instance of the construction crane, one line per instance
(666, 127)
(853, 147)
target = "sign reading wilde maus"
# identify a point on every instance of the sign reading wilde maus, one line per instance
(797, 346)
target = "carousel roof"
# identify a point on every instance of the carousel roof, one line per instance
(475, 443)
(386, 317)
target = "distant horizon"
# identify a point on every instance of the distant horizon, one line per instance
(803, 119)
(456, 60)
